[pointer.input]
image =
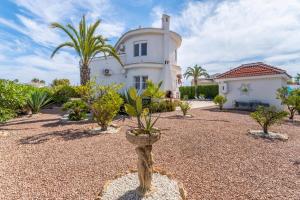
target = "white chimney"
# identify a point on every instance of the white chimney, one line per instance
(165, 22)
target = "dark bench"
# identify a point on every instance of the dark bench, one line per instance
(251, 105)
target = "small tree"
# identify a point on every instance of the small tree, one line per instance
(290, 99)
(185, 107)
(107, 105)
(220, 100)
(267, 116)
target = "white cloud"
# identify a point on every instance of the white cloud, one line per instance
(223, 34)
(40, 65)
(25, 61)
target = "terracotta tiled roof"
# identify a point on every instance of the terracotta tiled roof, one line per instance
(252, 69)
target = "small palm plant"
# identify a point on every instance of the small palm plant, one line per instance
(144, 136)
(38, 100)
(220, 100)
(267, 116)
(184, 107)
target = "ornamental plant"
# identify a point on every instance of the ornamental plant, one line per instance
(144, 117)
(184, 107)
(38, 100)
(220, 100)
(77, 110)
(267, 116)
(107, 105)
(144, 136)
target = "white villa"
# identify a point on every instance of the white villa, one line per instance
(146, 53)
(252, 84)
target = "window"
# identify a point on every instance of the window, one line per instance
(176, 55)
(137, 82)
(140, 49)
(136, 50)
(144, 83)
(144, 49)
(140, 82)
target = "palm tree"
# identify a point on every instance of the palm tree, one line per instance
(86, 44)
(195, 72)
(298, 78)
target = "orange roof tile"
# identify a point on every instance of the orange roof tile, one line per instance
(252, 69)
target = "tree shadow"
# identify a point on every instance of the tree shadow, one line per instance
(235, 111)
(66, 135)
(27, 121)
(60, 123)
(131, 194)
(192, 118)
(292, 123)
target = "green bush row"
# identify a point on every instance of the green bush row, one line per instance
(209, 91)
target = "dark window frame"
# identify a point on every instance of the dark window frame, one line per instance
(144, 49)
(136, 49)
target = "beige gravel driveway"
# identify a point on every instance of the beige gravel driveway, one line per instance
(210, 153)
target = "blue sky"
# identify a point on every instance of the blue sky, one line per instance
(218, 35)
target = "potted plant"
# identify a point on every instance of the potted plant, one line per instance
(143, 137)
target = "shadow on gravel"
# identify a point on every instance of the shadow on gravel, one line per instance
(72, 134)
(192, 118)
(59, 123)
(27, 121)
(235, 111)
(131, 194)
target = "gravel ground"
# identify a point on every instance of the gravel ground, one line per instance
(124, 188)
(210, 153)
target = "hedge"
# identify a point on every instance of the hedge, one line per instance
(209, 91)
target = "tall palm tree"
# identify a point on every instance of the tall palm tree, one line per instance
(298, 78)
(195, 72)
(86, 44)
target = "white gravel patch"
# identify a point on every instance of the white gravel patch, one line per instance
(124, 188)
(270, 135)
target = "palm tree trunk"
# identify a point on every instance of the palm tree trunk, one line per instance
(84, 74)
(195, 83)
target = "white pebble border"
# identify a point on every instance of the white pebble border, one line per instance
(124, 188)
(271, 135)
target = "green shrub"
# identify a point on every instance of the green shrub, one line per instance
(161, 106)
(58, 82)
(38, 100)
(184, 107)
(208, 91)
(220, 100)
(87, 92)
(63, 93)
(267, 116)
(13, 98)
(106, 106)
(77, 110)
(6, 114)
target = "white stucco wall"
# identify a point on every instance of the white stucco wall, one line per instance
(98, 65)
(260, 89)
(154, 49)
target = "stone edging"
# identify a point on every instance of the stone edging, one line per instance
(160, 171)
